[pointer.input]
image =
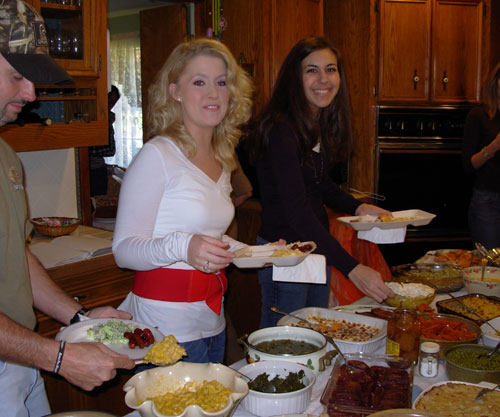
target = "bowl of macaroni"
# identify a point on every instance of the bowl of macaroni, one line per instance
(186, 390)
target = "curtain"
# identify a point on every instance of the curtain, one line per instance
(125, 69)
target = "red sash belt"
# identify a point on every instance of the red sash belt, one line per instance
(181, 285)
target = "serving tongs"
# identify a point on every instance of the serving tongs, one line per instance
(472, 311)
(492, 255)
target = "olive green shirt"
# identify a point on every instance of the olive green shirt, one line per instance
(16, 298)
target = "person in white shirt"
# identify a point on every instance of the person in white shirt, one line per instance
(175, 202)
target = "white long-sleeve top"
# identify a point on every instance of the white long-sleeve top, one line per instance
(164, 200)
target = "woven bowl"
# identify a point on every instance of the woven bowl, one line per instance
(55, 226)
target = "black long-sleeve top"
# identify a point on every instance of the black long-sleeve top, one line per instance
(479, 132)
(293, 197)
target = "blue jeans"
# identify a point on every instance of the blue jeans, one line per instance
(288, 296)
(22, 392)
(484, 218)
(209, 349)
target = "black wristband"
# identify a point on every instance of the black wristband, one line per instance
(59, 356)
(78, 315)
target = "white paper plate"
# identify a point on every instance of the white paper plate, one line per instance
(345, 346)
(78, 333)
(361, 308)
(361, 223)
(261, 255)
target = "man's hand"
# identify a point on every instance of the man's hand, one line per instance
(88, 365)
(108, 312)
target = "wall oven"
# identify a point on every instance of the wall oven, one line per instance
(419, 166)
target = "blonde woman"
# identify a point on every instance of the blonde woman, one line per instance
(175, 202)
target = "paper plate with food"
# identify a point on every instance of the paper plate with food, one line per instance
(399, 219)
(460, 257)
(271, 254)
(128, 337)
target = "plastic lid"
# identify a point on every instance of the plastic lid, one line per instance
(429, 347)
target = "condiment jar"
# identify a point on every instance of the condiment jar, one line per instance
(403, 334)
(429, 359)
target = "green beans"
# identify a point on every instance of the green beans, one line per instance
(468, 358)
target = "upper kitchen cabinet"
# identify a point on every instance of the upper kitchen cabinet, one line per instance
(76, 30)
(260, 33)
(430, 50)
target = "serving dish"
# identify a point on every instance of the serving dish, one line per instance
(488, 285)
(78, 333)
(316, 360)
(157, 381)
(456, 399)
(409, 295)
(353, 393)
(490, 338)
(402, 412)
(82, 413)
(461, 258)
(346, 346)
(446, 344)
(265, 404)
(262, 255)
(458, 372)
(486, 307)
(362, 223)
(443, 277)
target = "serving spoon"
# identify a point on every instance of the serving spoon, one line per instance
(489, 354)
(350, 369)
(484, 391)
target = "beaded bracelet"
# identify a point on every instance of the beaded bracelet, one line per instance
(59, 356)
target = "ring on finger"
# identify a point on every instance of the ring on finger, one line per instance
(205, 267)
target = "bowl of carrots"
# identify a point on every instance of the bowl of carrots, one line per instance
(447, 330)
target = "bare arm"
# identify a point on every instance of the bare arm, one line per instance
(84, 364)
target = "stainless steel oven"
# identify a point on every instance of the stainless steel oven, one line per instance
(419, 166)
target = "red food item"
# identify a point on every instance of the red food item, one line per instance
(149, 335)
(442, 329)
(140, 338)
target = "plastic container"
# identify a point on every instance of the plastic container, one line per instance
(428, 360)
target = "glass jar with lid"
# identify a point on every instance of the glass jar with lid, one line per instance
(428, 360)
(403, 334)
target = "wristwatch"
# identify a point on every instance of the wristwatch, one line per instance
(79, 315)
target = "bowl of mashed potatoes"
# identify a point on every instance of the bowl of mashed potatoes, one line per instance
(410, 295)
(186, 390)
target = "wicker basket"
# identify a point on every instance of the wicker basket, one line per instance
(42, 225)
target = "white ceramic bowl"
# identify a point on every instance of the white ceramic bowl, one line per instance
(157, 381)
(490, 338)
(345, 346)
(490, 285)
(316, 360)
(269, 404)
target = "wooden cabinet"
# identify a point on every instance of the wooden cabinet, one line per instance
(262, 32)
(96, 282)
(77, 40)
(430, 50)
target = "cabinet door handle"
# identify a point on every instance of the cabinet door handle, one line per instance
(416, 79)
(445, 80)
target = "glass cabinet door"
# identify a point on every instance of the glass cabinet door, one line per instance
(71, 33)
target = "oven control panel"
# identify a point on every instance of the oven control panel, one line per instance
(429, 123)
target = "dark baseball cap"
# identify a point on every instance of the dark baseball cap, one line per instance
(23, 43)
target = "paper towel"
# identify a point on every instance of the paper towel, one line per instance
(377, 235)
(311, 270)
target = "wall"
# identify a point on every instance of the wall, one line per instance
(50, 180)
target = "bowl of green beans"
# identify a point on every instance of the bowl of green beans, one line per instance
(464, 364)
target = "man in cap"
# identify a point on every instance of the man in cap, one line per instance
(24, 283)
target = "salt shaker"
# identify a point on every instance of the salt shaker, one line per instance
(429, 359)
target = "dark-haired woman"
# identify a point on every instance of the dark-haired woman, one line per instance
(481, 157)
(304, 130)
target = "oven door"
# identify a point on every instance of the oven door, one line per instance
(426, 177)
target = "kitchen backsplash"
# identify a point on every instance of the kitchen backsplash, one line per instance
(50, 181)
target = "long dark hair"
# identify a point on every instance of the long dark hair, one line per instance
(332, 123)
(490, 92)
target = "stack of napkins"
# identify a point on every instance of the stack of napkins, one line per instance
(311, 270)
(377, 235)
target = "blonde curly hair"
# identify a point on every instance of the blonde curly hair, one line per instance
(165, 113)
